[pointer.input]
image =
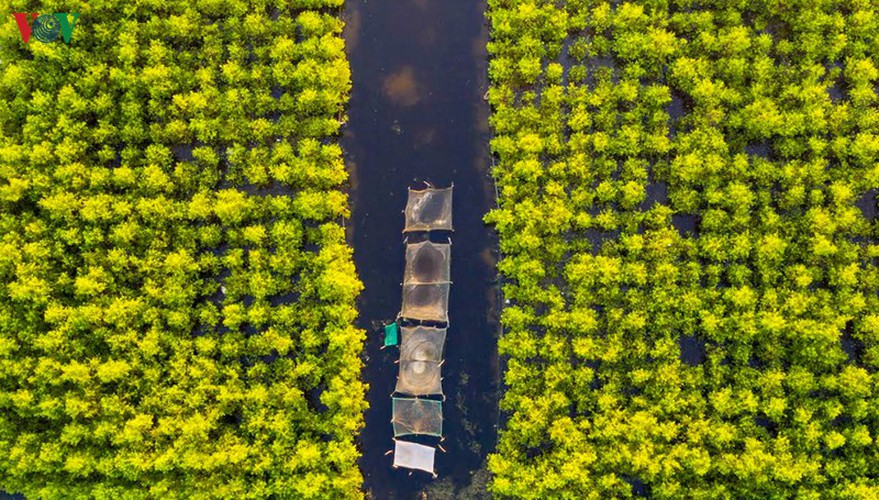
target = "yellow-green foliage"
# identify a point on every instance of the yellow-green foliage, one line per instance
(174, 147)
(772, 144)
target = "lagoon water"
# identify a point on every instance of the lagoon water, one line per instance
(417, 114)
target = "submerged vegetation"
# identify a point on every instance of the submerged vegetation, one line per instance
(176, 293)
(697, 177)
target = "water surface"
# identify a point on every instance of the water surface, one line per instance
(417, 115)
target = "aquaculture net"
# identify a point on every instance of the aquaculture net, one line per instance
(429, 209)
(417, 416)
(419, 378)
(427, 263)
(420, 358)
(422, 343)
(426, 302)
(413, 456)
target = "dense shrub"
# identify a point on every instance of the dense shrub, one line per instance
(176, 293)
(687, 176)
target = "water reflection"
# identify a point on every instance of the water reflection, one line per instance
(401, 87)
(424, 136)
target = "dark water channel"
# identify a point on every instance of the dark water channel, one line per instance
(417, 114)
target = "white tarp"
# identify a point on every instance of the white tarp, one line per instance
(413, 456)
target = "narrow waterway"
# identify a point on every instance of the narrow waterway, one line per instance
(417, 114)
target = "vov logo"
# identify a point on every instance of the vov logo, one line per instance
(46, 27)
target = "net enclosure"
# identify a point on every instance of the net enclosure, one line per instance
(420, 360)
(422, 343)
(427, 262)
(429, 209)
(419, 378)
(426, 302)
(413, 456)
(417, 416)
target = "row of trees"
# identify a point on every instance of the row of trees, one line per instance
(176, 293)
(691, 275)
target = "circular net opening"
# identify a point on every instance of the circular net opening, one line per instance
(424, 351)
(420, 374)
(423, 296)
(427, 264)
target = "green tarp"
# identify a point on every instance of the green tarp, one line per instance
(392, 334)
